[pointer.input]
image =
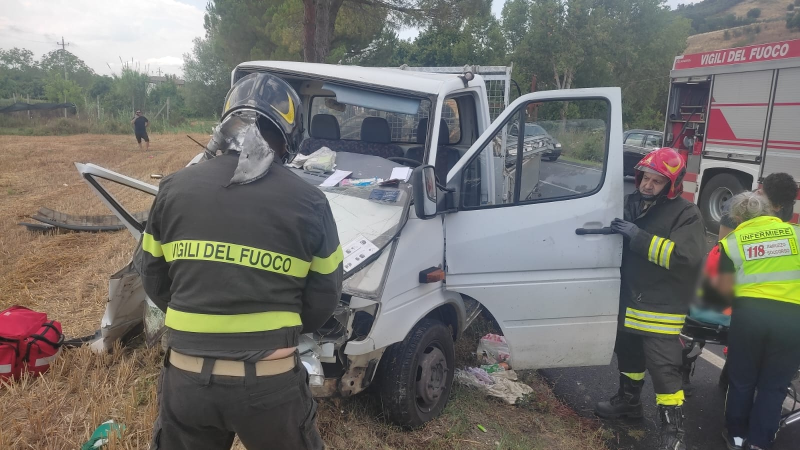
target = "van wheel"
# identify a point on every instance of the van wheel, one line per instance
(716, 193)
(417, 375)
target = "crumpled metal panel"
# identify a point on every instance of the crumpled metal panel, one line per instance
(154, 328)
(124, 310)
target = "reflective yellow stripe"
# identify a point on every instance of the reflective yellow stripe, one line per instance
(675, 399)
(652, 327)
(653, 252)
(634, 376)
(151, 245)
(661, 246)
(236, 254)
(231, 323)
(329, 264)
(666, 253)
(656, 317)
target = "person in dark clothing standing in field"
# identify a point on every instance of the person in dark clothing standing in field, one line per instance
(140, 124)
(661, 259)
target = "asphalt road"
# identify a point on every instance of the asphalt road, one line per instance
(581, 388)
(565, 178)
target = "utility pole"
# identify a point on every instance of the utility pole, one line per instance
(63, 45)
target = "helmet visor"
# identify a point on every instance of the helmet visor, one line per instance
(239, 133)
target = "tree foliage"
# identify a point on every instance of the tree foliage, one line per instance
(20, 74)
(564, 43)
(59, 61)
(59, 90)
(207, 78)
(583, 43)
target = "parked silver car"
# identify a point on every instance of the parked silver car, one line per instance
(536, 139)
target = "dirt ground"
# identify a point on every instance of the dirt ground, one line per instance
(66, 276)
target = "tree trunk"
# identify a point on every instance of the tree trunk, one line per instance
(309, 30)
(564, 82)
(319, 20)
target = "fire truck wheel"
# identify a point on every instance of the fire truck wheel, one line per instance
(715, 194)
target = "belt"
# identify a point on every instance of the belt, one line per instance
(232, 368)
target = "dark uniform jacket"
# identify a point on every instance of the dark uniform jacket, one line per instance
(242, 267)
(661, 265)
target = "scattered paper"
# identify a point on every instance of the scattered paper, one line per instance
(298, 161)
(356, 251)
(336, 178)
(401, 173)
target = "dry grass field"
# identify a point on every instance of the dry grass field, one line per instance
(772, 22)
(66, 276)
(715, 40)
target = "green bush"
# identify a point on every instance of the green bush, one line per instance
(726, 35)
(755, 13)
(790, 7)
(584, 146)
(797, 2)
(793, 21)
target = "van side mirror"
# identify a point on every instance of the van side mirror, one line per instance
(423, 187)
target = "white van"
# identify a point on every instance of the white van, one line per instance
(476, 227)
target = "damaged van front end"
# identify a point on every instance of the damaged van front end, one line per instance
(368, 230)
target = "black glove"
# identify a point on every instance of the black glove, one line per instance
(625, 228)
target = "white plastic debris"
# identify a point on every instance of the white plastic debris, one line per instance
(502, 385)
(493, 349)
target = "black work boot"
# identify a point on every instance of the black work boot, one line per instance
(626, 403)
(686, 374)
(672, 434)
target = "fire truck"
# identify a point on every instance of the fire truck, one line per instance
(734, 115)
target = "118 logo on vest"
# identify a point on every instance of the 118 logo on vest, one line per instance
(769, 249)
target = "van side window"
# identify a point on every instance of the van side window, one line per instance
(564, 148)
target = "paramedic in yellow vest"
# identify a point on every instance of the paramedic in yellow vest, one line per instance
(243, 256)
(760, 267)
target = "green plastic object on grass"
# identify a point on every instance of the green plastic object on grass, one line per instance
(100, 436)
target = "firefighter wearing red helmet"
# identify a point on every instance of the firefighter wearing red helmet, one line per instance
(664, 242)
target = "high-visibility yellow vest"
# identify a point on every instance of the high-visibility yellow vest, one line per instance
(764, 252)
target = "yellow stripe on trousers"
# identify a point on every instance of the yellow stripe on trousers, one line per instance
(675, 399)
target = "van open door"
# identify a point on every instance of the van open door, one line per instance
(126, 309)
(530, 238)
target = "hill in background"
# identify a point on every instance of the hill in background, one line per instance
(721, 24)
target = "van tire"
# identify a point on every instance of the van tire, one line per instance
(718, 189)
(426, 351)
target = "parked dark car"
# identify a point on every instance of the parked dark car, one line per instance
(636, 144)
(536, 140)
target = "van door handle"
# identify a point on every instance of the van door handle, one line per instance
(604, 230)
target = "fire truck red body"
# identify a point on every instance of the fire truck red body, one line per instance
(735, 116)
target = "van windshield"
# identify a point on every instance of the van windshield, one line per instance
(367, 217)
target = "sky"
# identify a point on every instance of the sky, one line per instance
(152, 33)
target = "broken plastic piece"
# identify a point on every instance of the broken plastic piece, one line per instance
(100, 436)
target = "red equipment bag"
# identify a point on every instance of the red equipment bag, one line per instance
(28, 342)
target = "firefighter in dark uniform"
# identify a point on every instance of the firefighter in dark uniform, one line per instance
(663, 250)
(243, 256)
